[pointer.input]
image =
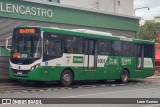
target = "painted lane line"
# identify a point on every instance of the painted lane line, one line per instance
(94, 86)
(121, 84)
(109, 92)
(103, 85)
(25, 91)
(55, 89)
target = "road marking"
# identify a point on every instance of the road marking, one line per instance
(153, 105)
(109, 92)
(102, 85)
(55, 89)
(25, 91)
(113, 85)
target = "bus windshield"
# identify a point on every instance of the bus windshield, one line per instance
(27, 45)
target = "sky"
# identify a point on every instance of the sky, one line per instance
(144, 13)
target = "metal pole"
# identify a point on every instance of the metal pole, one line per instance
(115, 6)
(140, 8)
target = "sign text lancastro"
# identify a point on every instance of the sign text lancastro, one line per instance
(25, 10)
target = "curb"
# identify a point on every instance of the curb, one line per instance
(154, 77)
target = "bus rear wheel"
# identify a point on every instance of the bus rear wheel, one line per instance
(124, 77)
(66, 78)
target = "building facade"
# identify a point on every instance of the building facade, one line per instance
(15, 13)
(113, 6)
(157, 19)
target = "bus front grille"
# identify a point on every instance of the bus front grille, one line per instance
(20, 72)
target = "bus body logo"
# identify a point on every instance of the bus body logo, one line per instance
(126, 61)
(46, 63)
(113, 61)
(77, 59)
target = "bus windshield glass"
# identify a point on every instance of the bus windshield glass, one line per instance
(26, 43)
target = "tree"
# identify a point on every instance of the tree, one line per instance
(150, 31)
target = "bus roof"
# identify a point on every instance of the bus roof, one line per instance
(89, 33)
(79, 33)
(143, 41)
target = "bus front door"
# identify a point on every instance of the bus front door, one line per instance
(139, 54)
(90, 58)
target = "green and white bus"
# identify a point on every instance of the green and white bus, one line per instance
(55, 54)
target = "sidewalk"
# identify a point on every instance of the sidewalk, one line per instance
(156, 76)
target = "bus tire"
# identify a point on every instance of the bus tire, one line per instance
(66, 78)
(124, 77)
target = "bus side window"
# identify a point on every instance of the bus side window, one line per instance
(73, 45)
(52, 46)
(148, 50)
(116, 48)
(103, 47)
(127, 48)
(70, 50)
(79, 50)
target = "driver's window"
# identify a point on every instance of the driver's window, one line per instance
(52, 46)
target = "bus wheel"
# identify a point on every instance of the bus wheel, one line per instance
(124, 77)
(66, 78)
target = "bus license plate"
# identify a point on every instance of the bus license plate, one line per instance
(19, 73)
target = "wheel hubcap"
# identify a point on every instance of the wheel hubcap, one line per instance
(125, 77)
(66, 77)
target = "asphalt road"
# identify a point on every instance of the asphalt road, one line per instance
(145, 88)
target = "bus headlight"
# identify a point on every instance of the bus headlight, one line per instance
(34, 67)
(38, 65)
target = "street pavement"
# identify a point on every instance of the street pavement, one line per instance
(142, 88)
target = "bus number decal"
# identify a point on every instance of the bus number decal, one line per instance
(101, 61)
(113, 61)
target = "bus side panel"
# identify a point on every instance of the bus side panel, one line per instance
(112, 67)
(39, 74)
(149, 67)
(78, 73)
(101, 73)
(100, 70)
(127, 63)
(146, 71)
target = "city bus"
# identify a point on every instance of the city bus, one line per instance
(66, 55)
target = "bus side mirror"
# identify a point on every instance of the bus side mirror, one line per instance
(7, 46)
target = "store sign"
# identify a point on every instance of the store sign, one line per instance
(25, 10)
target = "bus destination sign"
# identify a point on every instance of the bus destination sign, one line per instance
(27, 31)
